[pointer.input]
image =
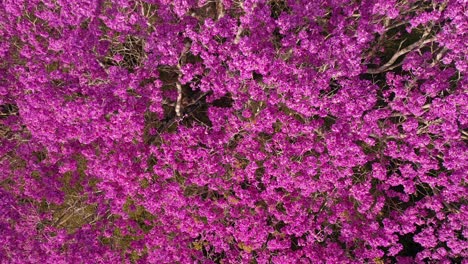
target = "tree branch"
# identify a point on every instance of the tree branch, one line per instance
(389, 65)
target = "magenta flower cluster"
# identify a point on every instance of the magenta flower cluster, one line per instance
(233, 131)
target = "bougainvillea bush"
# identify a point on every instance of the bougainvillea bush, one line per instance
(227, 131)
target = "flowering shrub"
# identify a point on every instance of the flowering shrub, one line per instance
(226, 131)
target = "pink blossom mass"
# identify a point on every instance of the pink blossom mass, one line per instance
(233, 131)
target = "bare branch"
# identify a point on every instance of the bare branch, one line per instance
(219, 9)
(178, 85)
(238, 34)
(179, 98)
(439, 56)
(389, 65)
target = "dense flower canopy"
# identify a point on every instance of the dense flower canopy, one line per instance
(229, 131)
